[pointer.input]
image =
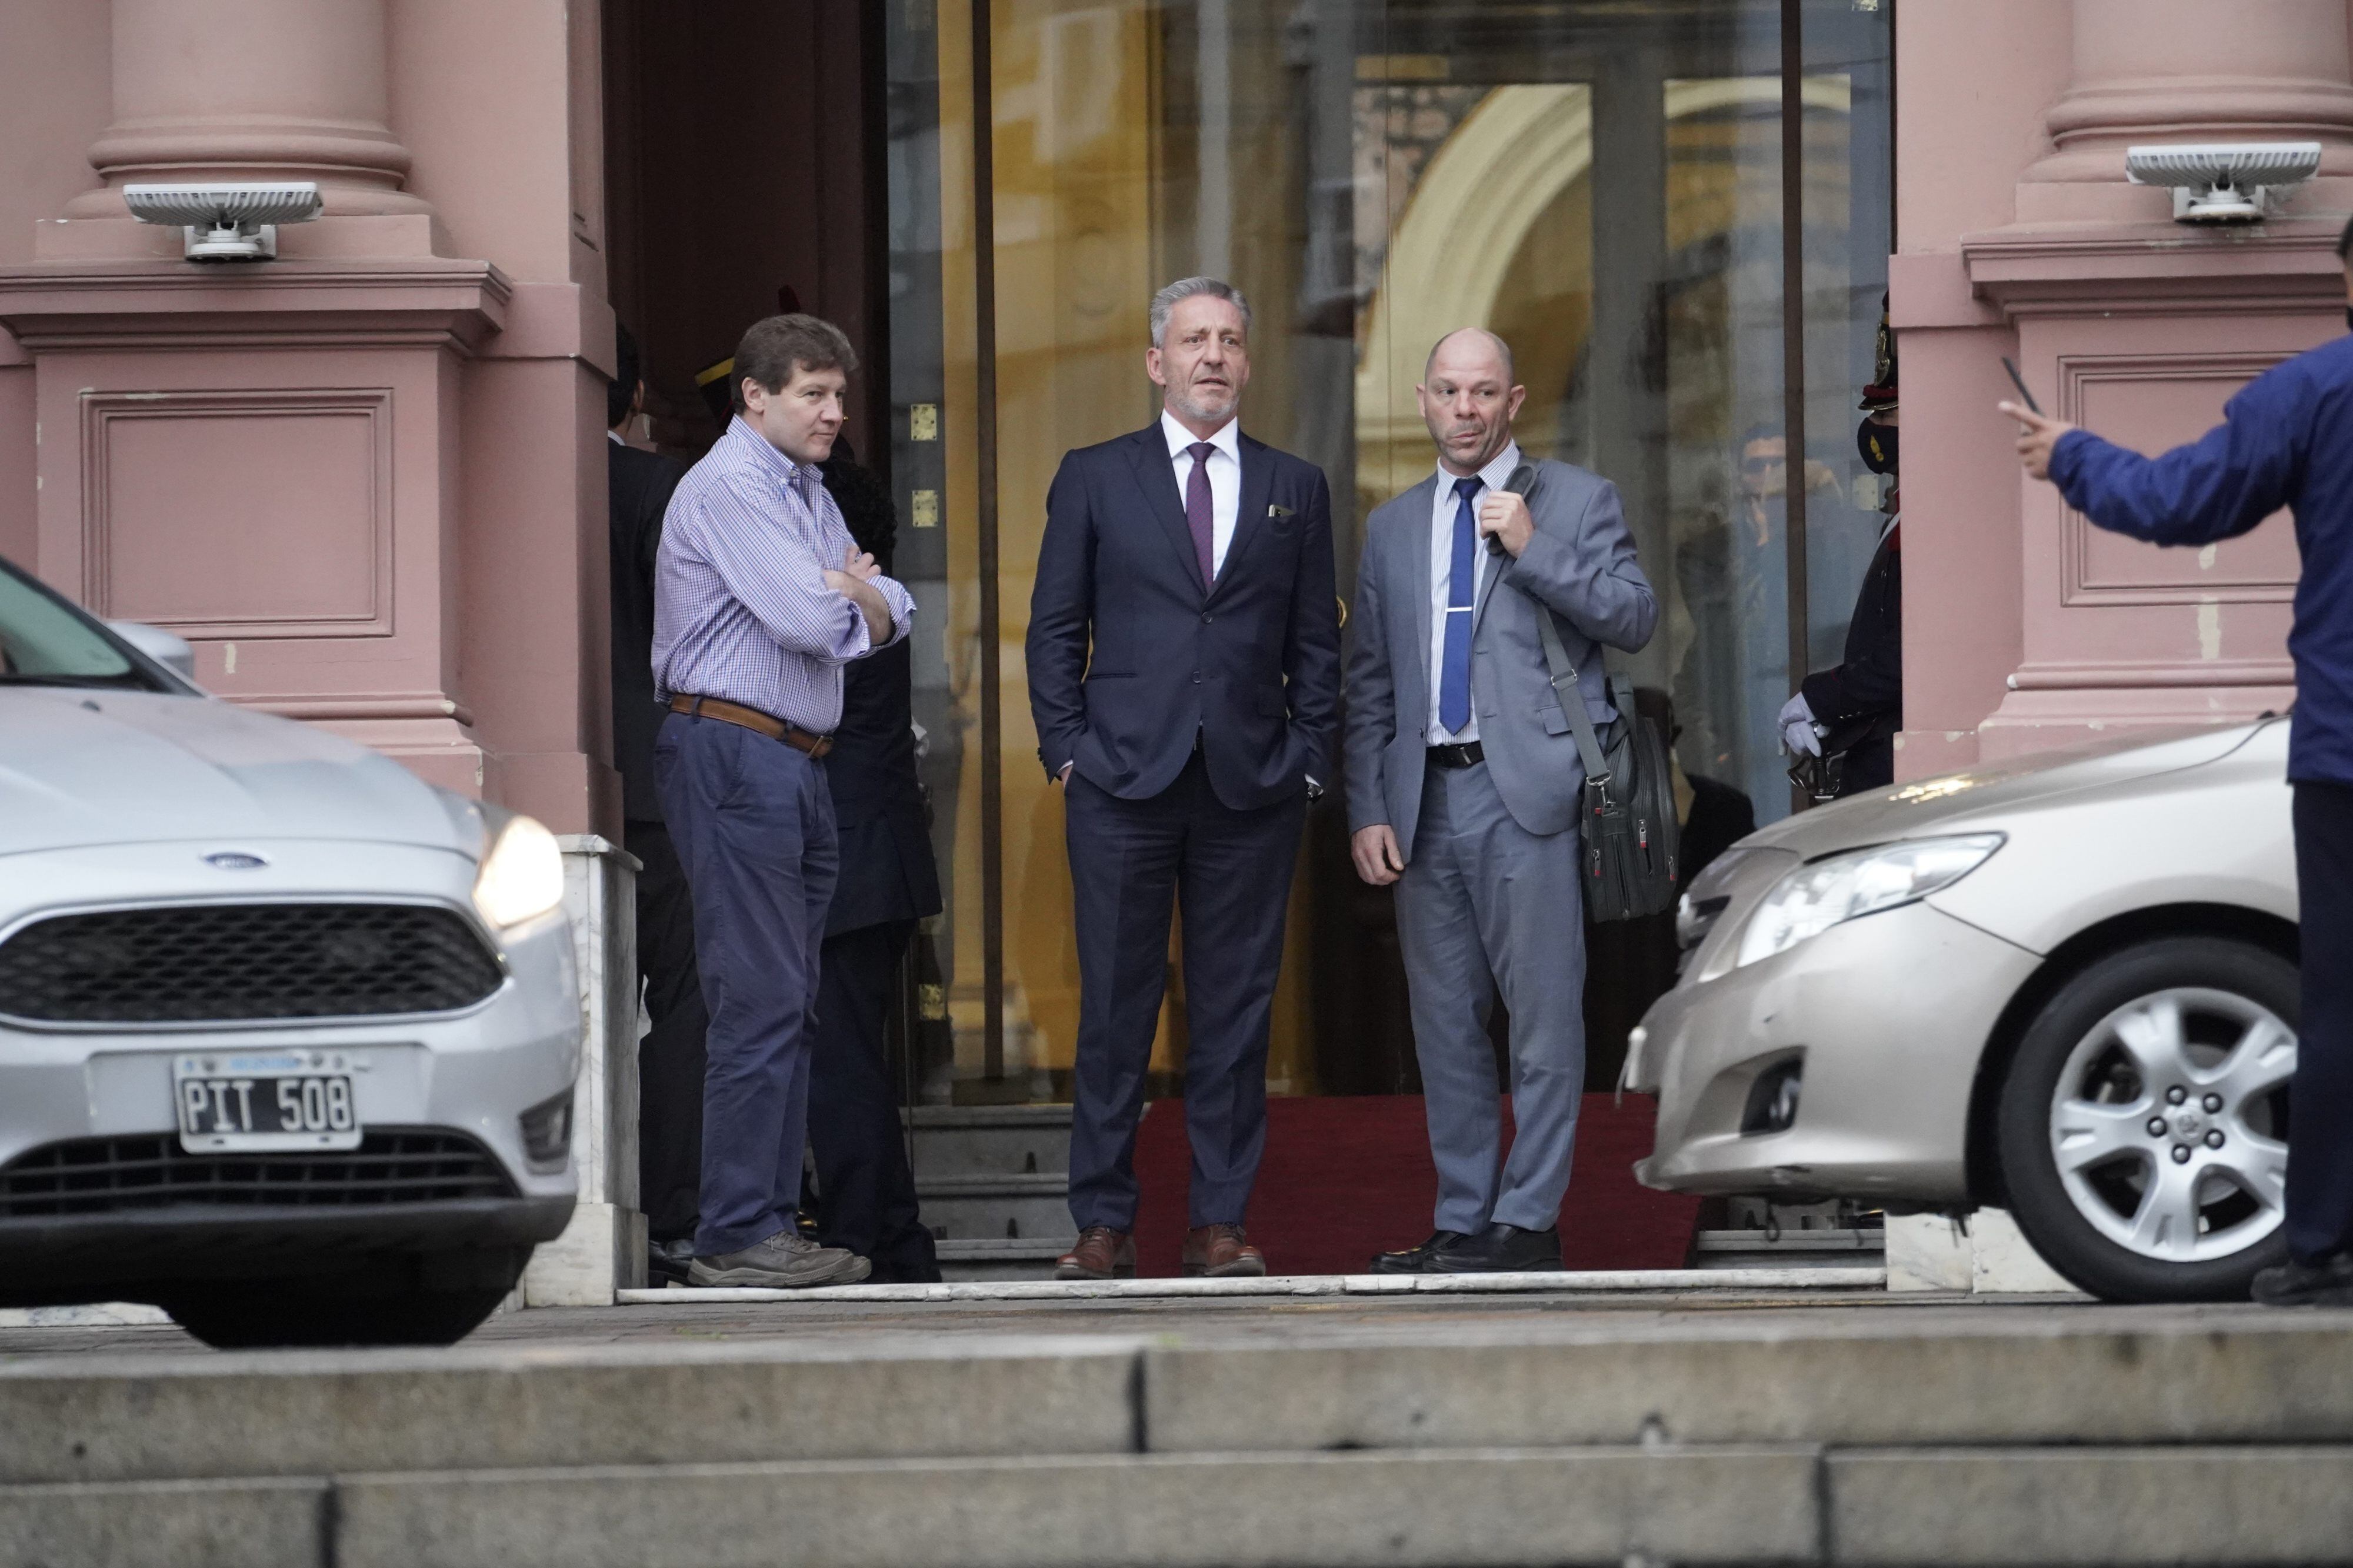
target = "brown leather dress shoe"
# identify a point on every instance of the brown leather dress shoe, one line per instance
(1220, 1251)
(1100, 1254)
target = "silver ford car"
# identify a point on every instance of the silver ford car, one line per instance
(287, 1036)
(2066, 987)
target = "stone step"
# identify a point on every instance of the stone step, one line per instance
(2099, 1376)
(1821, 1249)
(1646, 1503)
(995, 1207)
(1611, 1506)
(989, 1140)
(966, 1262)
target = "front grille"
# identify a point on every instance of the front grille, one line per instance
(110, 1175)
(243, 963)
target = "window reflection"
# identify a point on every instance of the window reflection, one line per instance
(1601, 183)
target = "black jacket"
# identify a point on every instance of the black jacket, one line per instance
(639, 486)
(1860, 702)
(1133, 659)
(887, 870)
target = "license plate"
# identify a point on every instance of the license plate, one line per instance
(264, 1100)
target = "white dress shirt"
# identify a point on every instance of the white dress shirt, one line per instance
(1225, 480)
(1441, 571)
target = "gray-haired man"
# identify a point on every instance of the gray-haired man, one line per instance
(1462, 790)
(1184, 675)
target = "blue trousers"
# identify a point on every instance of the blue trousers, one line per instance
(1132, 862)
(753, 821)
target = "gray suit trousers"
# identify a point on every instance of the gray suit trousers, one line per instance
(1482, 896)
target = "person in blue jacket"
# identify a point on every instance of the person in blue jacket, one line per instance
(2285, 440)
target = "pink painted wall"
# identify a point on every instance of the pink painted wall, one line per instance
(2025, 627)
(366, 480)
(1962, 138)
(54, 101)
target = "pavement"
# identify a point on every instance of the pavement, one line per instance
(1697, 1425)
(1246, 1320)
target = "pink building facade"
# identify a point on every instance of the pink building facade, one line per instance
(2017, 233)
(366, 479)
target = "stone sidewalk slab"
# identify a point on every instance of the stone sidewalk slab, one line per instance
(2045, 1508)
(260, 1523)
(1303, 1511)
(265, 1414)
(2276, 1379)
(1553, 1282)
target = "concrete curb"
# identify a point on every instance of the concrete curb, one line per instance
(1549, 1283)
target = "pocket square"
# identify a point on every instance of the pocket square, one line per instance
(1278, 511)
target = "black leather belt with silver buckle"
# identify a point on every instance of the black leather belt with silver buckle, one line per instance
(1468, 754)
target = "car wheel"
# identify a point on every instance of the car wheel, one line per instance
(421, 1310)
(2143, 1125)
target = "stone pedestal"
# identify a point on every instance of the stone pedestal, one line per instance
(266, 460)
(603, 1248)
(1984, 1254)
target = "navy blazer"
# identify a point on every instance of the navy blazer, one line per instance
(1133, 659)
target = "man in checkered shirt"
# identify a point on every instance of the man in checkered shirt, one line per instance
(760, 598)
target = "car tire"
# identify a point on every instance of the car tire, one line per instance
(2174, 1132)
(425, 1306)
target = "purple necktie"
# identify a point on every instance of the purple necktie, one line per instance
(1200, 513)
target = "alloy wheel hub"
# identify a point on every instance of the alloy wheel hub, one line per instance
(2165, 1124)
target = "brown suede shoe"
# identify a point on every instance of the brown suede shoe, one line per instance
(1100, 1254)
(1220, 1251)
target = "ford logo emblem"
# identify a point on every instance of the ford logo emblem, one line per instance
(235, 860)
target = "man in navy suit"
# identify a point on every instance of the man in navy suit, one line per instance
(1183, 660)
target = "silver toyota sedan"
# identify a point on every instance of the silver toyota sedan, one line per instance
(287, 1036)
(2066, 987)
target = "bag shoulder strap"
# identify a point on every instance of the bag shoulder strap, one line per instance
(1572, 699)
(1523, 482)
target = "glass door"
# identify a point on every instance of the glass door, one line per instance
(1607, 185)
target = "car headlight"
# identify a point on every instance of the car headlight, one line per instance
(1812, 898)
(521, 877)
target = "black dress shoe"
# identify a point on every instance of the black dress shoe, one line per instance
(668, 1261)
(1499, 1249)
(2328, 1283)
(1414, 1259)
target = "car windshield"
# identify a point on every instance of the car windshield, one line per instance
(44, 641)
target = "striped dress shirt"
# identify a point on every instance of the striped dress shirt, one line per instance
(741, 608)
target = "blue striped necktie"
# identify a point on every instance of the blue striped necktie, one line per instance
(1461, 594)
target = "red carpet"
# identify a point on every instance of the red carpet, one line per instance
(1349, 1175)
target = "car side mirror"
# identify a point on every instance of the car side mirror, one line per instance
(167, 648)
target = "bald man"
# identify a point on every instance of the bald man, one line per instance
(1464, 778)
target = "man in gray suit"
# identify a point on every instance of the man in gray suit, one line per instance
(1462, 790)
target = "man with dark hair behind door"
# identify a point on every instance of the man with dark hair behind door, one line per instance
(866, 1191)
(670, 1058)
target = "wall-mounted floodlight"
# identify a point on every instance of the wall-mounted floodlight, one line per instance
(2223, 182)
(223, 222)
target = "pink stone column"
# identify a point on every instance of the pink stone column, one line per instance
(2140, 328)
(2190, 70)
(253, 89)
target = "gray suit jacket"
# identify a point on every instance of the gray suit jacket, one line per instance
(1580, 562)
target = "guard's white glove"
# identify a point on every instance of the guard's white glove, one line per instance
(1797, 731)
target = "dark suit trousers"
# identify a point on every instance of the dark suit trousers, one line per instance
(754, 824)
(1132, 860)
(2320, 1128)
(866, 1192)
(670, 1058)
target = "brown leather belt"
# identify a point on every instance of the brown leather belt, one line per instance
(751, 719)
